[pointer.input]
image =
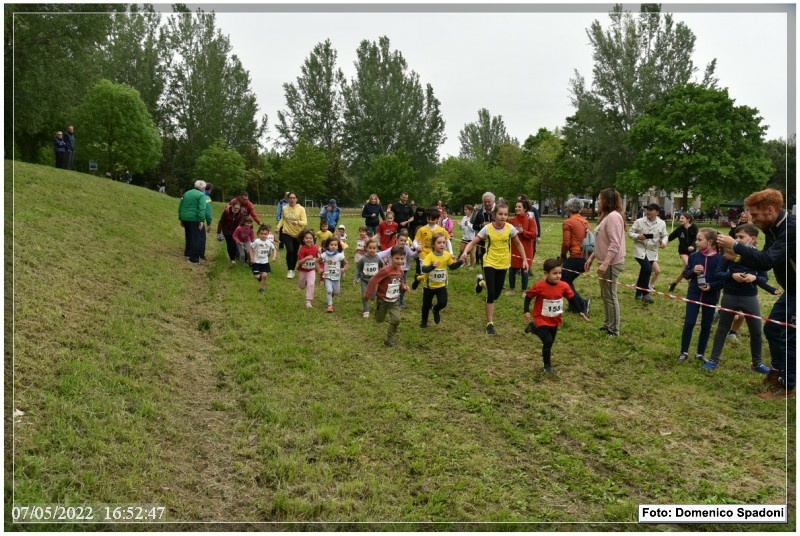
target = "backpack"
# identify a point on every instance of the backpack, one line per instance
(587, 245)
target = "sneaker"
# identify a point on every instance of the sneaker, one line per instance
(773, 379)
(390, 343)
(604, 329)
(490, 329)
(760, 367)
(530, 328)
(587, 305)
(732, 337)
(423, 325)
(710, 365)
(638, 297)
(262, 290)
(683, 356)
(613, 334)
(365, 314)
(548, 371)
(233, 262)
(290, 274)
(701, 357)
(193, 262)
(777, 394)
(330, 309)
(510, 292)
(672, 287)
(437, 317)
(647, 298)
(479, 283)
(308, 305)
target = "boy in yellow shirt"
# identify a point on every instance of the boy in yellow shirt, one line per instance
(423, 241)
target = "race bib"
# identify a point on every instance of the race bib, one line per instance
(370, 268)
(393, 290)
(438, 276)
(361, 244)
(332, 272)
(552, 308)
(309, 264)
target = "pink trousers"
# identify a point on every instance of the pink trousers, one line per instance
(306, 280)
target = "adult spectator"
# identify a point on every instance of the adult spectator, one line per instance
(610, 249)
(649, 233)
(209, 214)
(482, 217)
(330, 213)
(779, 254)
(533, 212)
(162, 187)
(192, 214)
(372, 213)
(247, 207)
(403, 212)
(69, 156)
(60, 147)
(686, 235)
(127, 177)
(293, 221)
(573, 232)
(228, 222)
(527, 233)
(278, 212)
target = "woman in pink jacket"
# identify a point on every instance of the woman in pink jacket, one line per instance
(610, 249)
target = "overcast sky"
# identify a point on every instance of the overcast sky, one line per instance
(517, 65)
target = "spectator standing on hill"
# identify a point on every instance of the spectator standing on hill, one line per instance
(403, 212)
(69, 156)
(372, 212)
(127, 178)
(60, 147)
(779, 254)
(192, 215)
(610, 249)
(330, 213)
(293, 221)
(649, 234)
(247, 207)
(573, 231)
(209, 214)
(162, 187)
(228, 222)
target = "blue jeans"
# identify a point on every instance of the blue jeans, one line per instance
(707, 318)
(781, 339)
(512, 278)
(645, 271)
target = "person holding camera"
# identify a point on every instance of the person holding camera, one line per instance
(649, 234)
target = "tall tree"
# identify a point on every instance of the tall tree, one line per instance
(118, 130)
(387, 175)
(695, 139)
(314, 103)
(50, 58)
(637, 60)
(466, 180)
(304, 170)
(222, 166)
(387, 109)
(480, 140)
(540, 158)
(783, 155)
(208, 91)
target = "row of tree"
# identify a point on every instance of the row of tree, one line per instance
(165, 96)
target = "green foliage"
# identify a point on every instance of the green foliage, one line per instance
(338, 184)
(222, 166)
(305, 169)
(314, 103)
(783, 155)
(387, 175)
(695, 139)
(386, 109)
(466, 180)
(540, 164)
(481, 140)
(118, 131)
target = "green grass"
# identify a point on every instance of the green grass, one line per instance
(147, 380)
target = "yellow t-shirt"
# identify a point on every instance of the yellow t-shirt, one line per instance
(498, 245)
(322, 236)
(424, 236)
(438, 277)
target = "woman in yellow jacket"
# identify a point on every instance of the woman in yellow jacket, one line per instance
(293, 221)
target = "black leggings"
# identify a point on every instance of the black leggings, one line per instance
(427, 300)
(495, 279)
(292, 246)
(233, 251)
(547, 335)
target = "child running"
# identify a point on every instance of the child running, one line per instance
(306, 265)
(548, 308)
(387, 284)
(332, 265)
(361, 242)
(260, 253)
(366, 268)
(386, 257)
(435, 264)
(498, 236)
(423, 240)
(740, 293)
(244, 236)
(387, 231)
(467, 236)
(704, 285)
(323, 234)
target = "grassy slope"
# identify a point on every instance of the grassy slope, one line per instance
(286, 414)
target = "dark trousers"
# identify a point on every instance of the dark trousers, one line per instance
(292, 246)
(233, 252)
(512, 278)
(707, 318)
(495, 279)
(202, 247)
(645, 271)
(69, 159)
(193, 236)
(547, 335)
(61, 159)
(781, 339)
(427, 301)
(568, 275)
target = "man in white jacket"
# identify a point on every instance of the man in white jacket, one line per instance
(649, 234)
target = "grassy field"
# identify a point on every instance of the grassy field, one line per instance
(144, 379)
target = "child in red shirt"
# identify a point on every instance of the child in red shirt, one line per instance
(387, 231)
(548, 308)
(307, 265)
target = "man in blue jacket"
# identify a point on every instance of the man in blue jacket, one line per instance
(330, 213)
(766, 211)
